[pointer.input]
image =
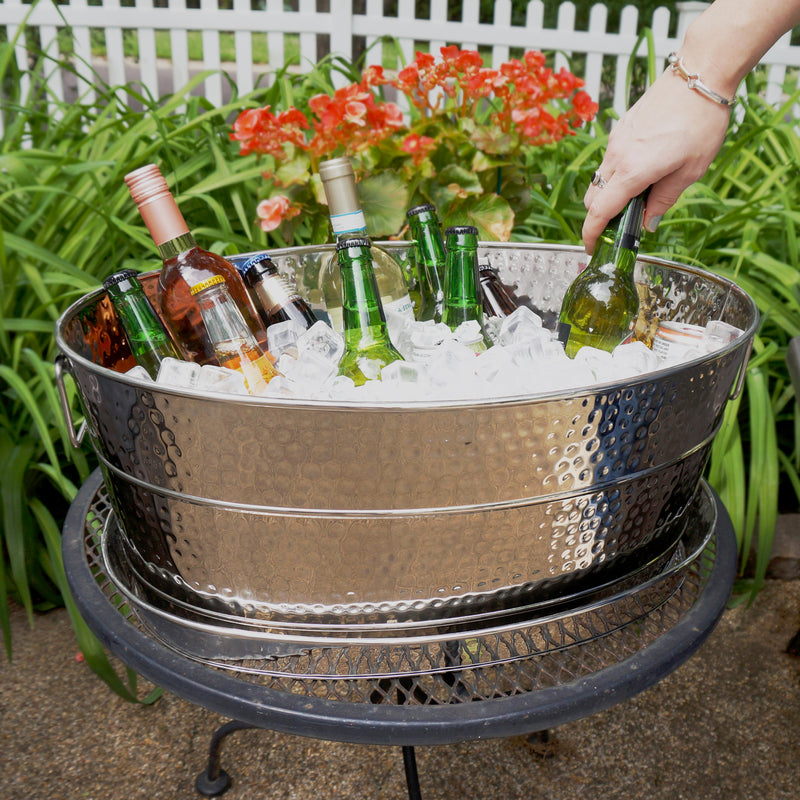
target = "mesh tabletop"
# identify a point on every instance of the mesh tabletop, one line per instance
(522, 670)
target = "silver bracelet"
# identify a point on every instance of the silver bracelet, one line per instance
(693, 82)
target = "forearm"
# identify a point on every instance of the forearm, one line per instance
(731, 36)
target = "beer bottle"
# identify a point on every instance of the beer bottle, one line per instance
(462, 289)
(601, 305)
(368, 348)
(275, 299)
(496, 299)
(230, 337)
(429, 258)
(146, 335)
(347, 220)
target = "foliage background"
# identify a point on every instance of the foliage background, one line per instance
(66, 221)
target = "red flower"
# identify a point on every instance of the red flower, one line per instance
(258, 130)
(275, 210)
(417, 147)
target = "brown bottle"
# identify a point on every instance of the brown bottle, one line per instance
(185, 264)
(497, 300)
(275, 298)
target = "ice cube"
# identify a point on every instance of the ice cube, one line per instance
(178, 374)
(280, 386)
(492, 327)
(634, 358)
(282, 337)
(140, 373)
(717, 334)
(396, 324)
(489, 364)
(322, 340)
(521, 324)
(340, 387)
(308, 371)
(221, 379)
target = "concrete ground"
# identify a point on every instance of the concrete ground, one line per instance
(725, 725)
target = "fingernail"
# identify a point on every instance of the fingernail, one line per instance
(652, 223)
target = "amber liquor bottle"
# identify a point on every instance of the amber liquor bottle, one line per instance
(496, 299)
(185, 264)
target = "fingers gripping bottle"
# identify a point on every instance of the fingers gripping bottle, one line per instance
(601, 305)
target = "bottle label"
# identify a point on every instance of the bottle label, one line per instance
(277, 292)
(402, 306)
(562, 332)
(351, 222)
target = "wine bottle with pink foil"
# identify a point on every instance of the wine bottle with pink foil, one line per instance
(185, 265)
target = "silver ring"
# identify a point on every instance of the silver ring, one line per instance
(599, 181)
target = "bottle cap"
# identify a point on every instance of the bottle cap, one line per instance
(146, 184)
(335, 168)
(462, 230)
(355, 242)
(214, 280)
(119, 277)
(256, 266)
(339, 182)
(419, 209)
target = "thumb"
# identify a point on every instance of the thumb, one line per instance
(663, 195)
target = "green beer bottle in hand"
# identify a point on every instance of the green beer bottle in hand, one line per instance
(368, 348)
(600, 307)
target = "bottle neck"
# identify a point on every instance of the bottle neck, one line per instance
(462, 297)
(167, 226)
(430, 245)
(619, 243)
(362, 311)
(222, 318)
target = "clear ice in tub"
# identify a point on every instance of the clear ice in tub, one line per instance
(221, 379)
(282, 337)
(321, 339)
(140, 373)
(178, 374)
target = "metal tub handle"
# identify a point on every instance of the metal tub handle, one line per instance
(737, 389)
(62, 365)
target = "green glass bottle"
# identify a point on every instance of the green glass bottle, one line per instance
(430, 259)
(462, 289)
(347, 221)
(601, 305)
(368, 348)
(147, 336)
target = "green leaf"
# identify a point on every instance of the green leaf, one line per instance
(384, 200)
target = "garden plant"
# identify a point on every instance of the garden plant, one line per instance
(67, 221)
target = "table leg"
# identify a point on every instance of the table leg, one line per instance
(412, 776)
(213, 780)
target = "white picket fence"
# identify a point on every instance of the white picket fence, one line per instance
(333, 30)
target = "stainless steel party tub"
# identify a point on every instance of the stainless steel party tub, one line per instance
(259, 508)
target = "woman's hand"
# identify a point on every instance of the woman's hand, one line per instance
(666, 140)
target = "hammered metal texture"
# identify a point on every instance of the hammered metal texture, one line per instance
(533, 653)
(319, 508)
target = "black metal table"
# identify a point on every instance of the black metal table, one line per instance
(625, 666)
